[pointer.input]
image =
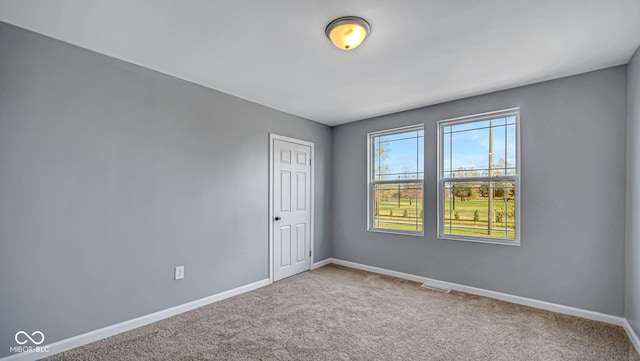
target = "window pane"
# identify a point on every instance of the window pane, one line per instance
(398, 206)
(469, 152)
(455, 128)
(481, 209)
(399, 156)
(498, 121)
(510, 153)
(480, 148)
(446, 153)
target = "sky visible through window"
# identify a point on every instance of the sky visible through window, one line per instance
(400, 156)
(466, 146)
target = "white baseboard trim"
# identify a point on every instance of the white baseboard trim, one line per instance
(112, 330)
(322, 263)
(567, 310)
(633, 336)
(80, 340)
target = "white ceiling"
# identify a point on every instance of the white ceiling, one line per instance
(275, 53)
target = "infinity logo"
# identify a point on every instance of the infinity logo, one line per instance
(29, 337)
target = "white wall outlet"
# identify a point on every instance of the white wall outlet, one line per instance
(178, 273)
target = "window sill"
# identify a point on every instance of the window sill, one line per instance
(504, 242)
(395, 231)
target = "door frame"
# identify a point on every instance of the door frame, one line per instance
(272, 138)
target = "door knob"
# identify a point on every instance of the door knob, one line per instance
(278, 218)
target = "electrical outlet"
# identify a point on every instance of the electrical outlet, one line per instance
(178, 273)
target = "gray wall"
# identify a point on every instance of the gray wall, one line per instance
(572, 197)
(112, 174)
(632, 253)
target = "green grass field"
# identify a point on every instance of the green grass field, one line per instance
(465, 224)
(400, 226)
(391, 216)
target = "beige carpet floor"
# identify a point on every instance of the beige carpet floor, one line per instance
(337, 313)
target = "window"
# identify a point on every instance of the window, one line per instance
(479, 178)
(396, 174)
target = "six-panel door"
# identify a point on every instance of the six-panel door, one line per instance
(291, 208)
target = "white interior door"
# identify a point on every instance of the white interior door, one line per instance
(291, 213)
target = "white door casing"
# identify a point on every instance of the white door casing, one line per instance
(291, 212)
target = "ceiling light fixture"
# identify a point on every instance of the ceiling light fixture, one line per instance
(347, 32)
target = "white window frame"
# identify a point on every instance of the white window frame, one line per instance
(371, 182)
(515, 179)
